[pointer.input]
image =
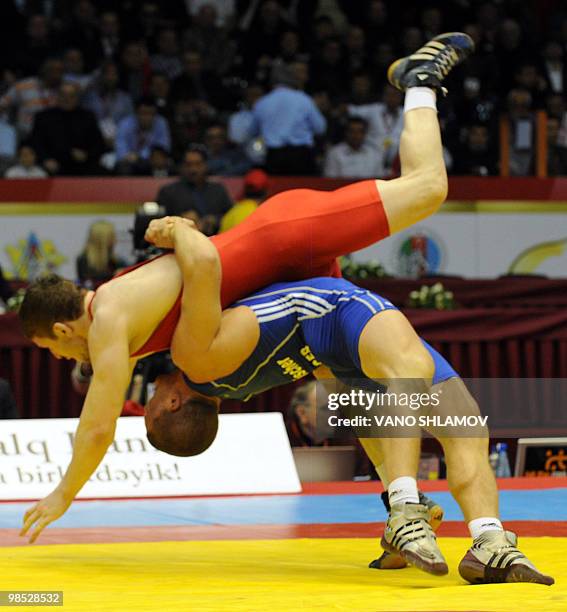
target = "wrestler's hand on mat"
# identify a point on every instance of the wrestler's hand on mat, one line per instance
(160, 231)
(46, 511)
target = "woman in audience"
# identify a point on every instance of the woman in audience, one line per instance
(98, 263)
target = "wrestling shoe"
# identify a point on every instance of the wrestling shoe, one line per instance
(429, 66)
(409, 534)
(493, 558)
(389, 560)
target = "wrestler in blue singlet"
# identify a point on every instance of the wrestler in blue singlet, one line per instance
(304, 325)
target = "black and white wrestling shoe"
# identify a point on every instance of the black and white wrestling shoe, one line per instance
(389, 560)
(429, 66)
(494, 558)
(409, 534)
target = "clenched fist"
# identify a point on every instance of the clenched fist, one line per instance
(160, 231)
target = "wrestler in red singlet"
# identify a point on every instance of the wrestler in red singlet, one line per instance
(293, 235)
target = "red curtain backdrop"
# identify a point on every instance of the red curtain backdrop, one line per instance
(497, 341)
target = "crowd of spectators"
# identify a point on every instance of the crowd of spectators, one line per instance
(297, 87)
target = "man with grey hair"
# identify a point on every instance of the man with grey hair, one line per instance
(288, 120)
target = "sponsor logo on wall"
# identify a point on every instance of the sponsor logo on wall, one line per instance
(31, 257)
(419, 254)
(530, 260)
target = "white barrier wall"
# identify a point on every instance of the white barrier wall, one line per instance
(471, 239)
(478, 244)
(251, 454)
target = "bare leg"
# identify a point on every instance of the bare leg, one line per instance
(402, 361)
(422, 187)
(470, 477)
(373, 448)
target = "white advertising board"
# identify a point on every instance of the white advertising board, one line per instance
(467, 239)
(251, 454)
(480, 245)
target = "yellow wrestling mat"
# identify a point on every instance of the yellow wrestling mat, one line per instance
(267, 576)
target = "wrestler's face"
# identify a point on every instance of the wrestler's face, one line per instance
(170, 393)
(66, 344)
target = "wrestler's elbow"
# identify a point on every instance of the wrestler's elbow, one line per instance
(198, 367)
(195, 372)
(207, 257)
(186, 361)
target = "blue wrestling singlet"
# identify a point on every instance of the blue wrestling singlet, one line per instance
(304, 325)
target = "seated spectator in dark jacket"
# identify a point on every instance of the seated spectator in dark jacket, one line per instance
(167, 60)
(160, 91)
(161, 164)
(8, 408)
(329, 69)
(135, 69)
(217, 49)
(223, 159)
(29, 96)
(197, 84)
(67, 138)
(39, 41)
(556, 152)
(109, 27)
(137, 134)
(478, 155)
(194, 193)
(528, 76)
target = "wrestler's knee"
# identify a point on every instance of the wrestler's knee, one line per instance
(432, 188)
(411, 361)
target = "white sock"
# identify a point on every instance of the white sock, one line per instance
(403, 490)
(420, 97)
(482, 524)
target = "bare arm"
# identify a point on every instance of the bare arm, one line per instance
(108, 346)
(200, 322)
(207, 344)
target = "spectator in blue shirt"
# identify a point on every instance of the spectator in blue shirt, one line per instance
(8, 143)
(240, 124)
(137, 135)
(288, 120)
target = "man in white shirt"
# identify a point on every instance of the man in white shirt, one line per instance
(385, 123)
(26, 166)
(354, 158)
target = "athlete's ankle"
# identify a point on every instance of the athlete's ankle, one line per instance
(483, 524)
(403, 490)
(420, 97)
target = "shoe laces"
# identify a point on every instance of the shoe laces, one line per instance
(445, 60)
(496, 541)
